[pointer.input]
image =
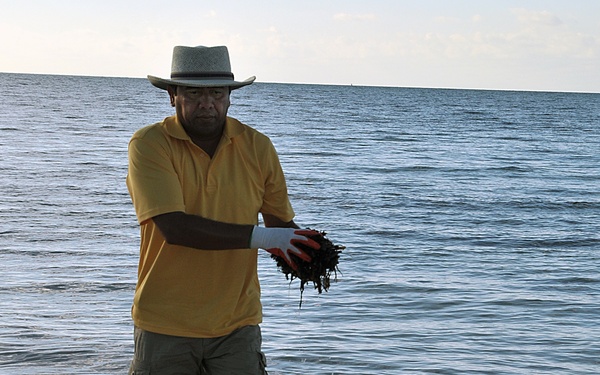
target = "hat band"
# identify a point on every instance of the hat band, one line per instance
(202, 75)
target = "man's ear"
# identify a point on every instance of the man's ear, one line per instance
(172, 90)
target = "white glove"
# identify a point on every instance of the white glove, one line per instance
(282, 242)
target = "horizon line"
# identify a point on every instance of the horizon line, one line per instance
(339, 84)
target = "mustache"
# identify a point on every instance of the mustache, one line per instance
(205, 113)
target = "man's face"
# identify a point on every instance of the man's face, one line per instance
(201, 110)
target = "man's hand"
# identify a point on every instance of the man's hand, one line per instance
(283, 242)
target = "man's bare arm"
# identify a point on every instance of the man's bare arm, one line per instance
(274, 222)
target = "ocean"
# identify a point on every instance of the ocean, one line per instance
(471, 221)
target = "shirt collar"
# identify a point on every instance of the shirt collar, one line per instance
(174, 128)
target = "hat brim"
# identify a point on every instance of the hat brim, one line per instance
(162, 83)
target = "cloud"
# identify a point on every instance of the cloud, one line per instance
(211, 14)
(536, 18)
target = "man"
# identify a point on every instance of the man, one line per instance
(198, 180)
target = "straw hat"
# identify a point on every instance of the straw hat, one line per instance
(200, 67)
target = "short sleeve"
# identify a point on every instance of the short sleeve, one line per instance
(276, 201)
(151, 180)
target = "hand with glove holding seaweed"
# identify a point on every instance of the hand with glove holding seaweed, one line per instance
(283, 242)
(318, 257)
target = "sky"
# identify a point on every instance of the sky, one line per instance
(533, 45)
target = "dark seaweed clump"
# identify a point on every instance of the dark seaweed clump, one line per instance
(323, 263)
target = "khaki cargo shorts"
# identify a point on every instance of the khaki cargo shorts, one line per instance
(236, 353)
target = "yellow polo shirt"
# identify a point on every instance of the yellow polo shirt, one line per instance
(189, 292)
